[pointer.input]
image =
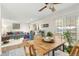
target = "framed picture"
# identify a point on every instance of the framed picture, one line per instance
(45, 25)
(16, 26)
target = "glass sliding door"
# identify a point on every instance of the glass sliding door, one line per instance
(67, 23)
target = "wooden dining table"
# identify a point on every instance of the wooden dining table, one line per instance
(41, 47)
(44, 48)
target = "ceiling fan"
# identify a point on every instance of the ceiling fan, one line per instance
(50, 6)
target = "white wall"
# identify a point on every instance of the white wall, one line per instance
(78, 29)
(0, 28)
(49, 21)
(24, 27)
(7, 26)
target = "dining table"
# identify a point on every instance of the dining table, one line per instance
(41, 46)
(44, 48)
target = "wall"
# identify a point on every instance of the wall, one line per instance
(7, 26)
(78, 28)
(0, 28)
(45, 21)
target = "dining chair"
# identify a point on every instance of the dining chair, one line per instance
(30, 50)
(74, 52)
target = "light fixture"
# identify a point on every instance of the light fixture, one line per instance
(51, 7)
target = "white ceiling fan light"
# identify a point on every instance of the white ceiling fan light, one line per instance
(51, 7)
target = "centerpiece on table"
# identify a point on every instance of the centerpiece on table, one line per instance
(49, 37)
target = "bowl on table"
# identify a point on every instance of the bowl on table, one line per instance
(48, 39)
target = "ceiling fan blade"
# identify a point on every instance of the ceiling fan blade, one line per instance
(42, 8)
(56, 3)
(46, 3)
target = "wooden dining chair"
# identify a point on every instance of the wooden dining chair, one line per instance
(30, 51)
(74, 52)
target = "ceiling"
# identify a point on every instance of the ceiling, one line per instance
(28, 11)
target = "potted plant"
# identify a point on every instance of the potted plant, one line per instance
(49, 37)
(67, 36)
(49, 34)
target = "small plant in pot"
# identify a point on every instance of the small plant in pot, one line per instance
(49, 37)
(49, 34)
